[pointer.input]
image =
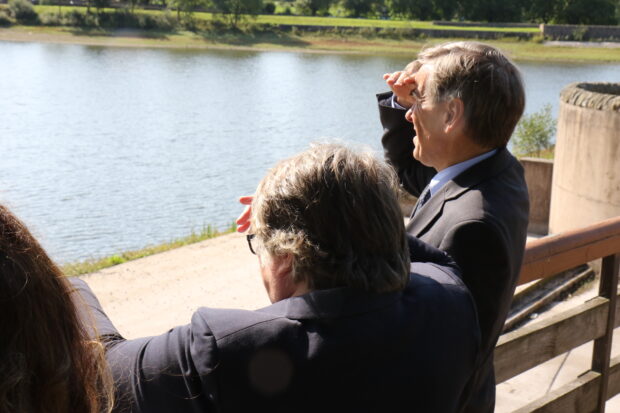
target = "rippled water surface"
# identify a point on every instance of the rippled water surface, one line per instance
(108, 149)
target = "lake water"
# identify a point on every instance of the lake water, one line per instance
(109, 149)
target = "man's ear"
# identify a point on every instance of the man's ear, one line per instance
(282, 266)
(455, 114)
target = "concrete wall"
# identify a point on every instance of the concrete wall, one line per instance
(412, 33)
(538, 175)
(580, 32)
(481, 24)
(586, 176)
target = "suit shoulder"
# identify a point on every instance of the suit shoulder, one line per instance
(222, 322)
(429, 274)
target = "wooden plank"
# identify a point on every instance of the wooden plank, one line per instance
(614, 378)
(601, 352)
(556, 253)
(560, 259)
(617, 323)
(579, 396)
(570, 240)
(531, 345)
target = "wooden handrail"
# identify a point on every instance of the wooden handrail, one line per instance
(553, 254)
(593, 320)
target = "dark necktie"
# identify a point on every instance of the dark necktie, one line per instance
(424, 197)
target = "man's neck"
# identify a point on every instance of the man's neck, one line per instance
(463, 151)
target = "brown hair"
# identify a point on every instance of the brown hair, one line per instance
(336, 212)
(487, 82)
(47, 362)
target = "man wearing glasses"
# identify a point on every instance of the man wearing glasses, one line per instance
(446, 125)
(354, 325)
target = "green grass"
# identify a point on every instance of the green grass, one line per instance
(325, 42)
(92, 265)
(320, 21)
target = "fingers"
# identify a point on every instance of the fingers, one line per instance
(243, 222)
(392, 78)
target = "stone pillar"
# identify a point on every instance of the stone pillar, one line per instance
(538, 176)
(586, 176)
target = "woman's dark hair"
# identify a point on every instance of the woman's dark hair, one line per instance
(47, 362)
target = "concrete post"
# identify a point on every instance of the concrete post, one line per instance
(586, 176)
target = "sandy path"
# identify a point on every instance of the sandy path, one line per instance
(150, 295)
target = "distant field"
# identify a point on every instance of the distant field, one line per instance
(327, 21)
(303, 42)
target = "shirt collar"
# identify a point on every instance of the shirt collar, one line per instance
(451, 172)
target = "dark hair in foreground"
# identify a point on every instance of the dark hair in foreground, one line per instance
(47, 362)
(336, 212)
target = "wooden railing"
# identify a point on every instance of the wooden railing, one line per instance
(596, 319)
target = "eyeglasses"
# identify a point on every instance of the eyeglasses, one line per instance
(250, 237)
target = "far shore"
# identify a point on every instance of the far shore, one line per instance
(307, 43)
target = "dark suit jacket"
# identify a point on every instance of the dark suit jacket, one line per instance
(479, 218)
(329, 350)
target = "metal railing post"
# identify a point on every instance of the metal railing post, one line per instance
(608, 288)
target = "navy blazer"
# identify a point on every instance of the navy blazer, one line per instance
(329, 350)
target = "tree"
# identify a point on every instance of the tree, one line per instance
(490, 10)
(420, 9)
(313, 6)
(534, 133)
(587, 12)
(358, 8)
(541, 10)
(444, 9)
(100, 4)
(235, 10)
(186, 7)
(23, 11)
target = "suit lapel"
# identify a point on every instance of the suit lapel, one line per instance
(480, 172)
(426, 214)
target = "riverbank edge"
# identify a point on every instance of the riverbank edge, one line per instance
(92, 265)
(305, 43)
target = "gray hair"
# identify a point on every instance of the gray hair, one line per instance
(487, 82)
(335, 211)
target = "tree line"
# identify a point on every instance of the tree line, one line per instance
(606, 12)
(592, 12)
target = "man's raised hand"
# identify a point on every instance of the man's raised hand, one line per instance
(402, 84)
(243, 222)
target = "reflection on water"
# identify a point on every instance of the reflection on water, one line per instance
(107, 149)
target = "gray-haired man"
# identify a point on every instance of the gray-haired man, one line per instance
(351, 328)
(446, 126)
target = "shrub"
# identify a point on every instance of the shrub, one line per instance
(5, 20)
(78, 19)
(51, 19)
(23, 11)
(269, 8)
(534, 132)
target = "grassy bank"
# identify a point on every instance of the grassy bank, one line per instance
(265, 39)
(92, 265)
(293, 20)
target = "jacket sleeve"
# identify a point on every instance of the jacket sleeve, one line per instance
(166, 373)
(397, 141)
(419, 251)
